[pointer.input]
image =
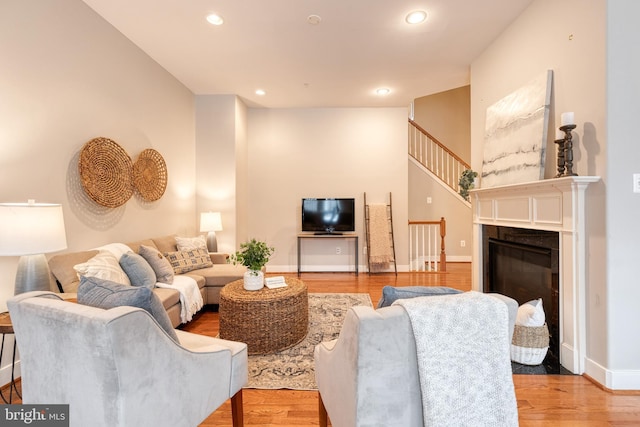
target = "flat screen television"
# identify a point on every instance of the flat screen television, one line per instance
(328, 216)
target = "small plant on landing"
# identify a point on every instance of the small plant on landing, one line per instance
(466, 182)
(253, 254)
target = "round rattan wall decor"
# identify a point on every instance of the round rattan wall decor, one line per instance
(150, 175)
(105, 171)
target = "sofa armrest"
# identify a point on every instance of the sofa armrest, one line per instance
(218, 257)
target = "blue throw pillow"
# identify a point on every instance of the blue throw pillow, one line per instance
(390, 293)
(106, 294)
(138, 270)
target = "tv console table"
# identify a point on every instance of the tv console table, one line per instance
(327, 236)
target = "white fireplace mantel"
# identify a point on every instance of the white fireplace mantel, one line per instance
(559, 205)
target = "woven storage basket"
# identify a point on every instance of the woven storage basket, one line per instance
(150, 175)
(529, 345)
(267, 320)
(105, 170)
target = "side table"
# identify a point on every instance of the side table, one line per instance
(6, 327)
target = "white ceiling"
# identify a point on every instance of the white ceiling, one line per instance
(359, 46)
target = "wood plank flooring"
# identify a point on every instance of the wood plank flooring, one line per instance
(543, 400)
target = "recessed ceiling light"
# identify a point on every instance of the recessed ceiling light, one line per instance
(314, 19)
(215, 19)
(416, 17)
(260, 92)
(383, 91)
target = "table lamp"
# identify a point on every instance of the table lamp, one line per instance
(211, 222)
(30, 230)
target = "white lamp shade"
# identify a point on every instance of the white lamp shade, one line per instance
(31, 228)
(210, 221)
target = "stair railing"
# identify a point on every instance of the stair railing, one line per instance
(426, 246)
(435, 156)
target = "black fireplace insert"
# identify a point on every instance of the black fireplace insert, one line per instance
(523, 264)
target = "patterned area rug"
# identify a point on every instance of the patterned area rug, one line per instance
(293, 368)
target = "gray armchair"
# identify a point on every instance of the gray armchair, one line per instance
(370, 375)
(118, 367)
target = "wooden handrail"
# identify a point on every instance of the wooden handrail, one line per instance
(440, 144)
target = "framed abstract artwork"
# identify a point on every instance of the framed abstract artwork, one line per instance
(515, 136)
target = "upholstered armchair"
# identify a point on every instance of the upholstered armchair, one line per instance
(118, 367)
(378, 372)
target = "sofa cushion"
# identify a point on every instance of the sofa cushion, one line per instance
(157, 261)
(61, 267)
(104, 265)
(186, 261)
(195, 275)
(166, 243)
(106, 294)
(391, 293)
(135, 246)
(138, 270)
(168, 297)
(221, 274)
(189, 243)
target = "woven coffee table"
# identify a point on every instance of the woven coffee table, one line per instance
(268, 320)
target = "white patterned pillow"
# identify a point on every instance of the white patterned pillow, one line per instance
(191, 243)
(103, 266)
(116, 249)
(186, 261)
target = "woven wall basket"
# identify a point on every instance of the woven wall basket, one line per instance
(106, 172)
(150, 175)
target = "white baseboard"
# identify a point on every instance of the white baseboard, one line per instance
(346, 268)
(613, 379)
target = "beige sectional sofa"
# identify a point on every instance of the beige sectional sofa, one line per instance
(210, 280)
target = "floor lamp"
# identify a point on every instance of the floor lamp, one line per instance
(210, 222)
(30, 230)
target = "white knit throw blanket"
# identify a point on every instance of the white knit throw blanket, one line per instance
(190, 296)
(463, 360)
(379, 240)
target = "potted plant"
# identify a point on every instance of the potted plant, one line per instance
(254, 255)
(467, 182)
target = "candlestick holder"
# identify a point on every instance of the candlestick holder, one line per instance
(561, 165)
(568, 151)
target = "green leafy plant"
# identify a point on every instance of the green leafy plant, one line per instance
(253, 254)
(466, 182)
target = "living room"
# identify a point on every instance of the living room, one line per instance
(70, 79)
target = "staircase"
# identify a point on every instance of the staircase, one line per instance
(436, 159)
(427, 238)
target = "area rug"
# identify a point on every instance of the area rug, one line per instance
(293, 368)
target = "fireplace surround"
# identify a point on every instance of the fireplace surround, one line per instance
(556, 205)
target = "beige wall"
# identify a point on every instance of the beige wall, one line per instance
(623, 206)
(220, 136)
(447, 116)
(569, 38)
(67, 77)
(336, 152)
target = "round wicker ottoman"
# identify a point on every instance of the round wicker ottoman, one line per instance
(268, 320)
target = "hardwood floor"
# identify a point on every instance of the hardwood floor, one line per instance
(543, 400)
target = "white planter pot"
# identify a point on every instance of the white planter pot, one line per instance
(253, 280)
